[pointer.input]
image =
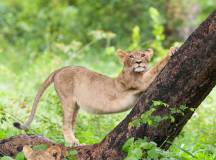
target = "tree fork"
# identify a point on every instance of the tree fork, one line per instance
(186, 80)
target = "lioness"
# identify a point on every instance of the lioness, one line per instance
(78, 87)
(52, 153)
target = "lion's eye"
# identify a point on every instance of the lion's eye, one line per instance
(142, 55)
(131, 56)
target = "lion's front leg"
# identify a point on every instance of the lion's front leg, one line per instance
(151, 74)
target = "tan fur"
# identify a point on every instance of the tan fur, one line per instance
(52, 153)
(79, 87)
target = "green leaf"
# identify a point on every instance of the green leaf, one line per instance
(72, 152)
(6, 158)
(183, 107)
(193, 109)
(40, 147)
(153, 144)
(172, 119)
(154, 13)
(146, 145)
(130, 158)
(153, 154)
(136, 153)
(128, 144)
(135, 123)
(157, 103)
(72, 155)
(20, 156)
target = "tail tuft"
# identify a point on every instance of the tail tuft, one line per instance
(17, 125)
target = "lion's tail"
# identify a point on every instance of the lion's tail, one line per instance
(40, 92)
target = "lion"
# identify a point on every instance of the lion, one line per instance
(78, 87)
(52, 153)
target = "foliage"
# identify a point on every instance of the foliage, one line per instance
(72, 155)
(153, 120)
(143, 149)
(40, 36)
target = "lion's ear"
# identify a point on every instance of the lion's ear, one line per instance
(149, 53)
(54, 151)
(122, 54)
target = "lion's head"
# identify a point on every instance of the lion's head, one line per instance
(135, 61)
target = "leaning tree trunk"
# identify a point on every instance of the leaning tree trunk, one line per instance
(186, 80)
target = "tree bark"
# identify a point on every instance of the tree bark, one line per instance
(13, 145)
(186, 80)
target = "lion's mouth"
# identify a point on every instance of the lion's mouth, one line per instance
(139, 69)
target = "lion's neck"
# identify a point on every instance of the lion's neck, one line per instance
(129, 80)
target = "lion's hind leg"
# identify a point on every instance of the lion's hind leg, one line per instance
(70, 110)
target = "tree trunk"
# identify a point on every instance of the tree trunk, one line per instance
(186, 80)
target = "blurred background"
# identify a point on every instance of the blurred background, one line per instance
(37, 37)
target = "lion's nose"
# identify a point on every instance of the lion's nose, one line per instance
(138, 61)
